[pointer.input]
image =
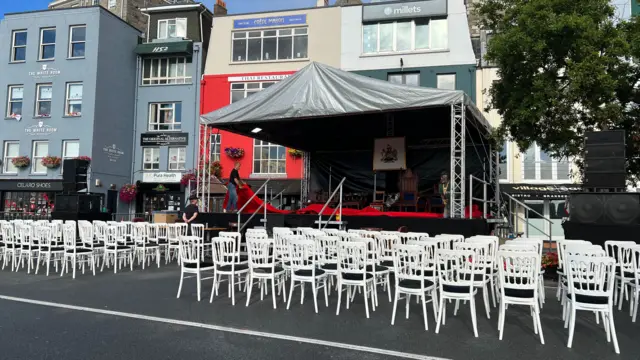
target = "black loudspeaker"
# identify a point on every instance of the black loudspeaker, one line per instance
(604, 159)
(605, 208)
(81, 203)
(74, 175)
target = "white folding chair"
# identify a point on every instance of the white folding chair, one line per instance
(352, 272)
(304, 269)
(191, 261)
(263, 267)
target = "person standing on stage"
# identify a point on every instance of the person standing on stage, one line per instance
(443, 188)
(234, 184)
(190, 213)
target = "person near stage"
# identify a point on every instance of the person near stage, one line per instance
(443, 189)
(234, 184)
(190, 213)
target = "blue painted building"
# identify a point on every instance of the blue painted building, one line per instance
(67, 90)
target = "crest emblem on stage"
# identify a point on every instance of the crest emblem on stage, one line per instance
(389, 155)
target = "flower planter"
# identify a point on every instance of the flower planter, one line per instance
(21, 162)
(128, 193)
(234, 153)
(51, 162)
(295, 153)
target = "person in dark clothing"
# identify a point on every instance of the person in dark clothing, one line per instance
(190, 213)
(234, 184)
(443, 189)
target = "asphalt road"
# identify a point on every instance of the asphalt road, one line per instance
(135, 315)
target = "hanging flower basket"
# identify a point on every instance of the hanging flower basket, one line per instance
(51, 162)
(216, 168)
(295, 153)
(21, 162)
(234, 153)
(85, 158)
(187, 178)
(128, 193)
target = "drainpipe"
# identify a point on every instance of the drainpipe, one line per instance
(196, 106)
(201, 26)
(135, 118)
(148, 24)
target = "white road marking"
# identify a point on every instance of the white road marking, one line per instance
(226, 329)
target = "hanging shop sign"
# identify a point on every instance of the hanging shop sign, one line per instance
(112, 152)
(257, 78)
(161, 177)
(45, 72)
(40, 129)
(540, 191)
(30, 185)
(270, 21)
(404, 10)
(164, 139)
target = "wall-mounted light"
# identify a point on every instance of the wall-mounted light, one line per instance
(112, 186)
(98, 183)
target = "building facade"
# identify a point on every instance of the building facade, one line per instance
(420, 43)
(256, 51)
(127, 10)
(54, 56)
(170, 66)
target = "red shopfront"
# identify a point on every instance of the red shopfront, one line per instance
(262, 160)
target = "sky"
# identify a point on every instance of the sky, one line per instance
(234, 6)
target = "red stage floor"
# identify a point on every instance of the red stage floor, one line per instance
(245, 194)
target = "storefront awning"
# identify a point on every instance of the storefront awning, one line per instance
(169, 47)
(540, 191)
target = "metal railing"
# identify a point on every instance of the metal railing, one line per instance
(516, 216)
(15, 215)
(337, 209)
(147, 216)
(483, 200)
(264, 205)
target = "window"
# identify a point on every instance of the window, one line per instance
(14, 101)
(47, 43)
(11, 150)
(402, 36)
(240, 91)
(165, 117)
(43, 100)
(268, 158)
(172, 28)
(70, 149)
(40, 150)
(268, 45)
(175, 70)
(412, 79)
(503, 162)
(77, 40)
(177, 158)
(111, 4)
(215, 147)
(538, 165)
(73, 100)
(19, 46)
(446, 81)
(151, 160)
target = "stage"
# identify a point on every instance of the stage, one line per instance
(432, 226)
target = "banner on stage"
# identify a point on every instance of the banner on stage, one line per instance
(389, 154)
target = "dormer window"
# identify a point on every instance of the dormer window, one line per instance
(172, 28)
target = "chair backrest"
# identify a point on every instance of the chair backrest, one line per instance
(257, 231)
(26, 234)
(302, 254)
(197, 230)
(69, 236)
(408, 262)
(518, 247)
(412, 236)
(590, 275)
(327, 249)
(372, 249)
(224, 251)
(584, 250)
(331, 231)
(7, 234)
(256, 236)
(190, 250)
(482, 257)
(519, 270)
(139, 234)
(45, 237)
(112, 235)
(626, 257)
(313, 234)
(352, 257)
(163, 228)
(232, 235)
(455, 268)
(562, 244)
(386, 242)
(301, 230)
(174, 233)
(492, 241)
(152, 233)
(612, 247)
(280, 249)
(86, 233)
(259, 250)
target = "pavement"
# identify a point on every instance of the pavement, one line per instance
(136, 315)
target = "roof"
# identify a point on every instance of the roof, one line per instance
(319, 90)
(176, 7)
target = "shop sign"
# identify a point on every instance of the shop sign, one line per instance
(404, 10)
(45, 72)
(257, 78)
(113, 152)
(542, 191)
(164, 139)
(30, 185)
(270, 21)
(161, 177)
(40, 129)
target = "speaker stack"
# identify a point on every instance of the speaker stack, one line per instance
(605, 208)
(604, 160)
(71, 203)
(74, 175)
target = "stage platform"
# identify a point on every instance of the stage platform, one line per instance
(432, 226)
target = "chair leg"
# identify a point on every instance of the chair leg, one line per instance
(249, 288)
(179, 286)
(572, 325)
(537, 314)
(440, 311)
(395, 306)
(635, 305)
(326, 292)
(388, 287)
(199, 284)
(503, 314)
(273, 292)
(424, 310)
(314, 290)
(473, 316)
(366, 301)
(485, 295)
(291, 293)
(613, 331)
(339, 297)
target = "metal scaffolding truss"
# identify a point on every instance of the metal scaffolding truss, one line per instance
(306, 175)
(457, 180)
(203, 174)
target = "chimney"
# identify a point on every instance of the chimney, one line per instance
(220, 8)
(322, 3)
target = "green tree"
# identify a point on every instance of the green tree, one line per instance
(565, 67)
